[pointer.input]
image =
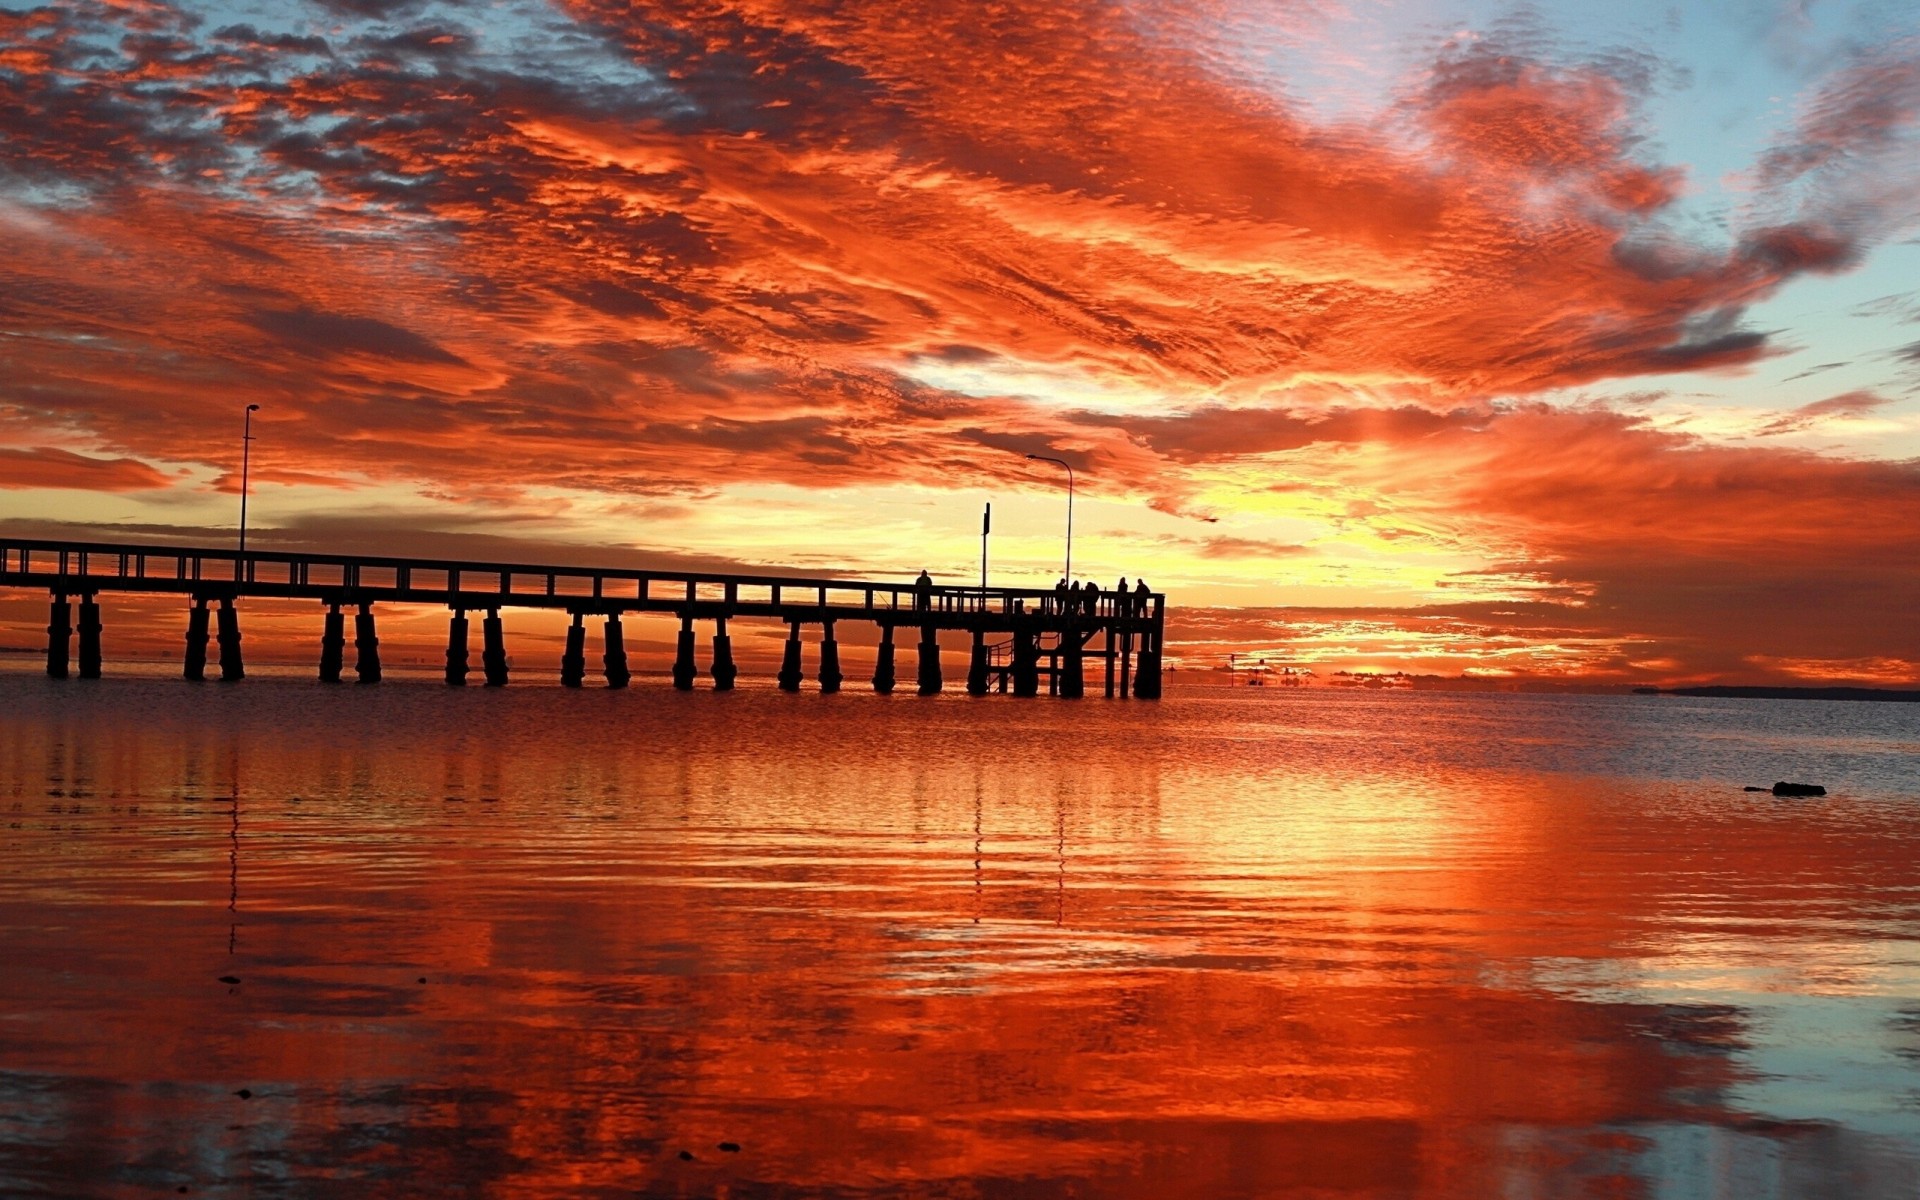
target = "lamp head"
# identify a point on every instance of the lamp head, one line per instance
(253, 408)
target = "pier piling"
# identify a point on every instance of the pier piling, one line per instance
(930, 680)
(1110, 657)
(977, 665)
(790, 675)
(232, 670)
(493, 649)
(457, 668)
(1026, 662)
(724, 672)
(89, 637)
(333, 643)
(1073, 678)
(683, 666)
(59, 636)
(193, 662)
(883, 679)
(614, 660)
(366, 642)
(1146, 681)
(830, 676)
(573, 661)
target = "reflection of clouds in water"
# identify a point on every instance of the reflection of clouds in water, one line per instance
(1823, 1031)
(1383, 943)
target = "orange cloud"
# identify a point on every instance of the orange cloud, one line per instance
(46, 467)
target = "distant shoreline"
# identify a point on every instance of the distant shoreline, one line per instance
(1790, 693)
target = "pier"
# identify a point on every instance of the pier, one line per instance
(1022, 640)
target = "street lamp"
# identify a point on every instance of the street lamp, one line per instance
(246, 457)
(1063, 462)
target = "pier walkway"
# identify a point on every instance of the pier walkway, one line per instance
(1023, 640)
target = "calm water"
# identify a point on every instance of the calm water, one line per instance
(1240, 943)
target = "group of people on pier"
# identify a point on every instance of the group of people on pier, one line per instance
(1068, 598)
(1085, 596)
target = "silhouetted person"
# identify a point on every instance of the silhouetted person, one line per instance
(1121, 594)
(1142, 596)
(1060, 595)
(923, 592)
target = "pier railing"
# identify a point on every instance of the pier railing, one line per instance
(1051, 624)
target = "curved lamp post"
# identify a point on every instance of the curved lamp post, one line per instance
(1063, 462)
(246, 456)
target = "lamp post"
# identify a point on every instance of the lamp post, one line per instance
(1063, 462)
(246, 462)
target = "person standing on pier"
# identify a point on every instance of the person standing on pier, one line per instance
(1060, 595)
(1142, 597)
(1121, 595)
(923, 592)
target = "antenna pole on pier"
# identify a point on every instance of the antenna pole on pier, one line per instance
(986, 527)
(246, 462)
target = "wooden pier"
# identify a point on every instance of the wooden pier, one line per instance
(1024, 641)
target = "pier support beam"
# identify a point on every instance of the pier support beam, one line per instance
(977, 665)
(614, 661)
(59, 636)
(232, 669)
(457, 649)
(366, 641)
(1073, 677)
(333, 644)
(724, 672)
(573, 660)
(930, 680)
(830, 676)
(1026, 663)
(790, 675)
(493, 649)
(89, 638)
(193, 662)
(883, 679)
(683, 667)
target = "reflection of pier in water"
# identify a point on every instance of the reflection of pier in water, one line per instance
(1023, 639)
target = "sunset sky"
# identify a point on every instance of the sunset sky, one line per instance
(1568, 339)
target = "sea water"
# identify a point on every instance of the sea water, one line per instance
(534, 942)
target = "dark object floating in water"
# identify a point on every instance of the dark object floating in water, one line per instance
(423, 979)
(245, 1093)
(730, 1147)
(229, 979)
(1798, 789)
(686, 1156)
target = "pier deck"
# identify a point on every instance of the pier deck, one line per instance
(1046, 634)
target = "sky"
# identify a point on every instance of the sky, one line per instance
(1559, 341)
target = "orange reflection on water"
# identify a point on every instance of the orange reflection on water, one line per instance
(1222, 946)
